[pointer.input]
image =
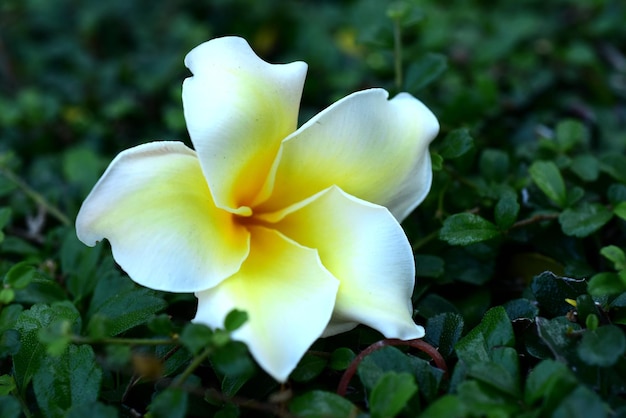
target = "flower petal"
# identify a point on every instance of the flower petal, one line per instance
(362, 245)
(238, 109)
(373, 148)
(155, 208)
(288, 295)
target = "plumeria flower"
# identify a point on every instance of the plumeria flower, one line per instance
(297, 227)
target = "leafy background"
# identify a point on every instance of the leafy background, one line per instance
(519, 247)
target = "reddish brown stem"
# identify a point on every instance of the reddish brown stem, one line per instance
(418, 343)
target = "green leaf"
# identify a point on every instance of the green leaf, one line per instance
(619, 302)
(616, 193)
(171, 403)
(602, 347)
(613, 164)
(235, 319)
(391, 394)
(620, 210)
(443, 331)
(390, 359)
(15, 245)
(547, 177)
(445, 407)
(341, 358)
(494, 165)
(120, 305)
(428, 265)
(551, 291)
(574, 194)
(233, 361)
(506, 211)
(67, 381)
(9, 315)
(569, 133)
(57, 336)
(6, 185)
(549, 379)
(466, 229)
(7, 296)
(5, 217)
(606, 284)
(41, 290)
(10, 407)
(92, 410)
(485, 401)
(161, 324)
(309, 367)
(587, 309)
(584, 220)
(592, 322)
(586, 167)
(616, 255)
(82, 166)
(228, 411)
(433, 304)
(196, 337)
(173, 363)
(424, 71)
(502, 373)
(118, 356)
(581, 403)
(457, 143)
(495, 330)
(521, 309)
(220, 338)
(29, 359)
(466, 265)
(428, 379)
(317, 403)
(20, 275)
(436, 161)
(82, 265)
(7, 384)
(556, 334)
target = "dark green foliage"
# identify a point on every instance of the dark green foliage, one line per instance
(171, 403)
(68, 381)
(391, 393)
(521, 272)
(322, 404)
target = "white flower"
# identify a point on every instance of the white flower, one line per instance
(297, 227)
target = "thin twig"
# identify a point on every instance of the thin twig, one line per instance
(249, 404)
(197, 361)
(419, 244)
(136, 377)
(77, 339)
(534, 219)
(417, 343)
(34, 195)
(213, 394)
(23, 404)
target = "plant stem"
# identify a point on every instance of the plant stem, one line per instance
(124, 341)
(419, 244)
(534, 219)
(35, 196)
(25, 409)
(197, 361)
(248, 403)
(417, 343)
